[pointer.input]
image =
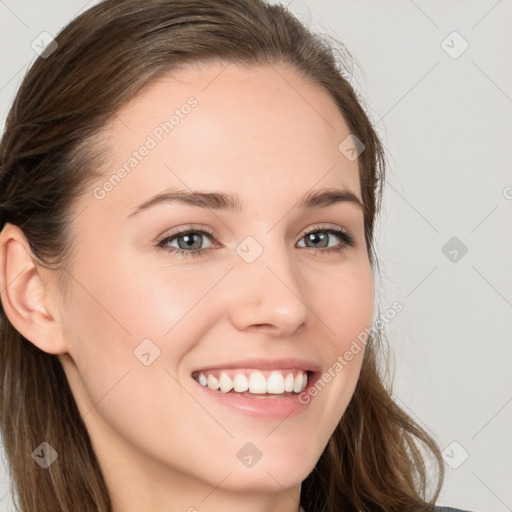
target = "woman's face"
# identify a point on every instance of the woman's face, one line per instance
(258, 296)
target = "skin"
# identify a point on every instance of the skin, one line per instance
(270, 136)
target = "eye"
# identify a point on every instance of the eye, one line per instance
(189, 240)
(321, 235)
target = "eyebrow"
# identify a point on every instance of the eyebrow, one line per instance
(222, 201)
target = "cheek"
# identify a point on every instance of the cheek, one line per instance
(121, 317)
(120, 312)
(121, 304)
(112, 310)
(347, 306)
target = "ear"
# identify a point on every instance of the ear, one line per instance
(26, 293)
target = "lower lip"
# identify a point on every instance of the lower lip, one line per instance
(264, 406)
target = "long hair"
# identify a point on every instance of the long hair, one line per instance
(375, 459)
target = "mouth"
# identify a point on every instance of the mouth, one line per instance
(255, 383)
(259, 388)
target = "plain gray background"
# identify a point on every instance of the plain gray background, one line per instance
(445, 117)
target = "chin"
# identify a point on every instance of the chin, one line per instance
(271, 475)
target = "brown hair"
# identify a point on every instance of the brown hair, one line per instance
(373, 461)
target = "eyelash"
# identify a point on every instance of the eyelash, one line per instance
(343, 234)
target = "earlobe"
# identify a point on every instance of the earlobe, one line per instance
(25, 293)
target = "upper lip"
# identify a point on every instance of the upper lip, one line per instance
(264, 364)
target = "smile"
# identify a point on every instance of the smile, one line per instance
(252, 381)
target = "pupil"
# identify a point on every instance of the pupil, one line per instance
(189, 240)
(320, 237)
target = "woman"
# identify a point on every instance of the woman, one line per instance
(246, 376)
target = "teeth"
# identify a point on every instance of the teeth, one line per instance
(297, 386)
(240, 383)
(226, 384)
(276, 383)
(213, 383)
(289, 382)
(202, 379)
(257, 383)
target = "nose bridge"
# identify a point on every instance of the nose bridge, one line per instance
(269, 289)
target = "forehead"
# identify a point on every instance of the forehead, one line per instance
(263, 129)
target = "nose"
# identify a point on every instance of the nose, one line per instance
(269, 294)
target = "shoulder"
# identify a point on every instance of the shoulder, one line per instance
(449, 509)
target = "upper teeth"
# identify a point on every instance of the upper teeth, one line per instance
(276, 383)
